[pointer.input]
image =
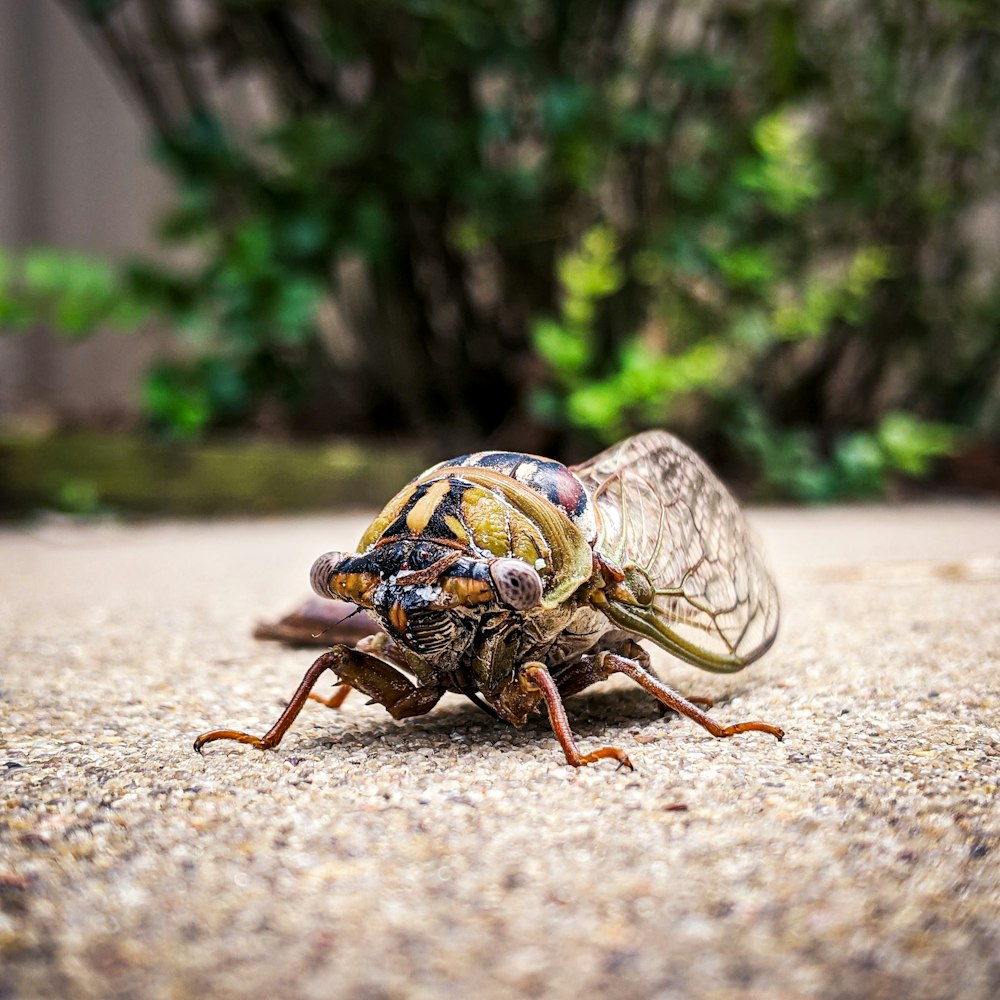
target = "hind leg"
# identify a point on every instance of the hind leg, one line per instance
(614, 663)
(591, 669)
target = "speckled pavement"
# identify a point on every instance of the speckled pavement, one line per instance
(451, 856)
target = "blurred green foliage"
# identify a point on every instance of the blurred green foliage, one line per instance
(553, 223)
(96, 473)
(70, 292)
(861, 465)
(645, 381)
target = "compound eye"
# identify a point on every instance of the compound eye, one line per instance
(639, 586)
(322, 572)
(517, 584)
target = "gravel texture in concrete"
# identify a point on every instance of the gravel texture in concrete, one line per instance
(453, 856)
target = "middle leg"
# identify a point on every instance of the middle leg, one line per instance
(537, 676)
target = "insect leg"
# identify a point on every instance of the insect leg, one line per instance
(336, 699)
(633, 651)
(387, 686)
(273, 736)
(572, 678)
(670, 698)
(376, 669)
(355, 668)
(594, 668)
(535, 675)
(377, 643)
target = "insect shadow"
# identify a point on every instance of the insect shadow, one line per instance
(595, 713)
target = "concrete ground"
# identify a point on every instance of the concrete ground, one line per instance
(451, 856)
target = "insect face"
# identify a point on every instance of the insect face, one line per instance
(426, 595)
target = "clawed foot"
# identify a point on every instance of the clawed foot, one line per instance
(231, 734)
(273, 736)
(536, 678)
(753, 727)
(602, 754)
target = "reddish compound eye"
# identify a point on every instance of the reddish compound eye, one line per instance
(516, 583)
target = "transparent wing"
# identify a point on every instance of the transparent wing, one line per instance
(660, 508)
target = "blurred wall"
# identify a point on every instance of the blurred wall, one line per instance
(74, 175)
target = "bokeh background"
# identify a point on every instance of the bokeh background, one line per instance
(427, 225)
(262, 257)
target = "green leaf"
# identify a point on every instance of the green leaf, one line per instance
(910, 444)
(315, 145)
(597, 407)
(787, 173)
(639, 126)
(304, 235)
(74, 292)
(564, 106)
(843, 295)
(861, 466)
(748, 266)
(176, 401)
(297, 301)
(564, 348)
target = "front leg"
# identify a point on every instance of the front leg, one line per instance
(273, 736)
(382, 683)
(386, 685)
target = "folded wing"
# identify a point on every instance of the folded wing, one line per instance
(660, 508)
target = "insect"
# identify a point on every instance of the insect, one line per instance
(516, 581)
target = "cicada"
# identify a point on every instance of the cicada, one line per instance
(517, 581)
